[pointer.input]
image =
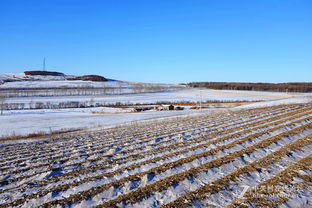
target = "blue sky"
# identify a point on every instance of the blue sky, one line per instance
(168, 41)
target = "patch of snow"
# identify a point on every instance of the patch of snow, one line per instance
(47, 121)
(294, 100)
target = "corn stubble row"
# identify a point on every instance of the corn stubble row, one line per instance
(208, 133)
(194, 140)
(136, 156)
(94, 168)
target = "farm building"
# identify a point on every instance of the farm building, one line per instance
(164, 107)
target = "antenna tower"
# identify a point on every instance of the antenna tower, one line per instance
(44, 64)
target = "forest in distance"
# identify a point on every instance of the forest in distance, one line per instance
(274, 87)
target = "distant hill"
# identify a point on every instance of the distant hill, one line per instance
(52, 84)
(95, 78)
(48, 76)
(278, 87)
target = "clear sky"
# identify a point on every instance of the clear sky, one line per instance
(167, 41)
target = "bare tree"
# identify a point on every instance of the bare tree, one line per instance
(2, 99)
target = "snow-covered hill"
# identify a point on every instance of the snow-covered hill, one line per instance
(4, 78)
(21, 80)
(61, 83)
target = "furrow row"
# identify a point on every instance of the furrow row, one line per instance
(140, 191)
(30, 152)
(280, 186)
(146, 191)
(93, 169)
(101, 144)
(205, 191)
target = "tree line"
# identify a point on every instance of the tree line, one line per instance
(46, 92)
(274, 87)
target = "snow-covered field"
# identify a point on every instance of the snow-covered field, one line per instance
(23, 122)
(31, 86)
(29, 92)
(63, 83)
(251, 158)
(179, 96)
(293, 100)
(253, 155)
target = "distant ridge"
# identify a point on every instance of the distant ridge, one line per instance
(43, 73)
(95, 78)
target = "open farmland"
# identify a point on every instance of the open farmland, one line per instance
(200, 161)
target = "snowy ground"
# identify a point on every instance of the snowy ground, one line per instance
(293, 100)
(186, 95)
(195, 161)
(62, 83)
(23, 122)
(189, 158)
(39, 121)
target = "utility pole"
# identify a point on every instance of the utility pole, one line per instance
(44, 64)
